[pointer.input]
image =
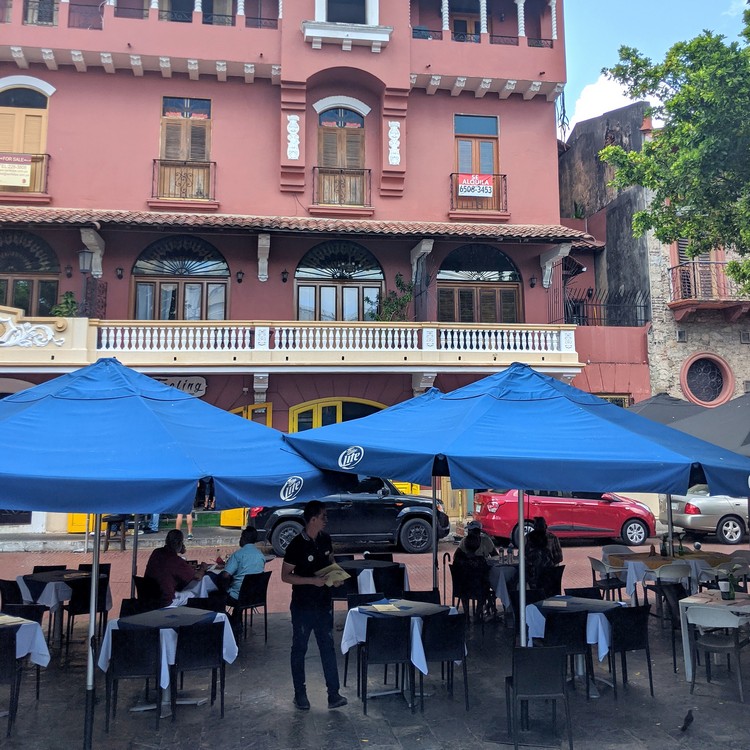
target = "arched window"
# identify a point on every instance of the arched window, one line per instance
(23, 133)
(29, 273)
(478, 284)
(341, 158)
(180, 278)
(338, 280)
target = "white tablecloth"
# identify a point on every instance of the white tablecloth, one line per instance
(740, 605)
(637, 568)
(53, 595)
(355, 631)
(597, 628)
(499, 576)
(195, 589)
(168, 638)
(29, 639)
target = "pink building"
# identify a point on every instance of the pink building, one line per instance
(242, 184)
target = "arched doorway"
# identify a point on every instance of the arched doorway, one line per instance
(29, 273)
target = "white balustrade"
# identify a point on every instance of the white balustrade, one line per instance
(165, 338)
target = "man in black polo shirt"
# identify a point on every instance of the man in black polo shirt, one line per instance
(308, 552)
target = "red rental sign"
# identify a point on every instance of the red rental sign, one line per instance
(475, 186)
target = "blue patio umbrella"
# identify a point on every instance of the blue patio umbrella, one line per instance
(519, 428)
(106, 439)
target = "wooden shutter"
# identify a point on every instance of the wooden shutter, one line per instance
(466, 306)
(7, 131)
(328, 148)
(185, 139)
(487, 306)
(354, 148)
(172, 139)
(198, 149)
(446, 311)
(509, 306)
(33, 133)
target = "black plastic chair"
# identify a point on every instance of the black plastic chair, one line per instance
(10, 594)
(216, 601)
(538, 674)
(135, 654)
(431, 596)
(629, 627)
(387, 641)
(11, 671)
(532, 597)
(80, 604)
(389, 580)
(672, 593)
(343, 558)
(568, 629)
(199, 647)
(253, 595)
(356, 600)
(148, 592)
(47, 568)
(33, 612)
(105, 569)
(385, 556)
(550, 580)
(471, 590)
(444, 640)
(130, 607)
(585, 592)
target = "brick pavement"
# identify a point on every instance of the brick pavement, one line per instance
(259, 714)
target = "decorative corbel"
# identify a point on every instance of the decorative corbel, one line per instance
(264, 249)
(260, 387)
(94, 242)
(547, 260)
(422, 381)
(418, 253)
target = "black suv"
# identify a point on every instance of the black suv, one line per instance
(373, 511)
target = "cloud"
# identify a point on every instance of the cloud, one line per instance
(735, 8)
(598, 98)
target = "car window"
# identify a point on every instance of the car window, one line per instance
(587, 495)
(699, 489)
(369, 485)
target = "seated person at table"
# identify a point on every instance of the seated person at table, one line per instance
(538, 558)
(170, 571)
(486, 545)
(473, 571)
(245, 561)
(553, 543)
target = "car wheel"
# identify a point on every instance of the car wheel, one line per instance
(634, 532)
(283, 534)
(528, 527)
(416, 536)
(730, 530)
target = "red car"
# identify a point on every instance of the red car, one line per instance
(571, 515)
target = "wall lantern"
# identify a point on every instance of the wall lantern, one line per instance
(69, 271)
(240, 275)
(284, 276)
(532, 282)
(119, 271)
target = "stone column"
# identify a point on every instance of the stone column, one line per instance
(521, 18)
(483, 16)
(553, 17)
(445, 11)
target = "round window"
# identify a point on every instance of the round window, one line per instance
(707, 379)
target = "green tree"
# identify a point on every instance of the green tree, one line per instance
(395, 304)
(698, 164)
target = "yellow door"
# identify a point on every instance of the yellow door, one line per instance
(77, 523)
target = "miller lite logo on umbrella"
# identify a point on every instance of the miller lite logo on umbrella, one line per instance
(291, 488)
(351, 457)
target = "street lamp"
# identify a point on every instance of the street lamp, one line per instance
(85, 261)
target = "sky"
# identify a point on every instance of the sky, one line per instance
(596, 29)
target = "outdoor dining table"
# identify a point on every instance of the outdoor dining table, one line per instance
(198, 589)
(638, 563)
(355, 627)
(363, 570)
(29, 639)
(52, 588)
(168, 621)
(499, 576)
(740, 605)
(598, 630)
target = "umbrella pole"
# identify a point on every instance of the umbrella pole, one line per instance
(134, 567)
(434, 534)
(88, 725)
(521, 568)
(670, 526)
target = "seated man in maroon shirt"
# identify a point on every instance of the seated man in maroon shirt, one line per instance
(169, 570)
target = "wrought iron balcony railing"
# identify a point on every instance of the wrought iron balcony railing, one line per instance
(341, 187)
(85, 16)
(30, 174)
(131, 10)
(184, 180)
(702, 280)
(176, 16)
(503, 39)
(218, 19)
(479, 192)
(602, 307)
(421, 32)
(465, 36)
(261, 23)
(545, 43)
(40, 12)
